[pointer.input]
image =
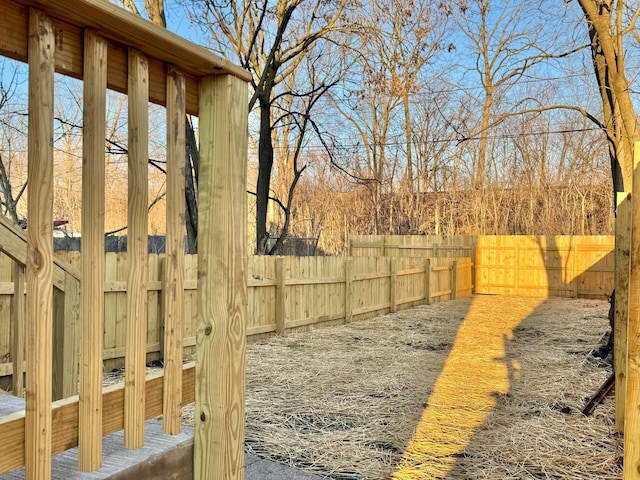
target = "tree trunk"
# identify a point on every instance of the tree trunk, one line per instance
(265, 164)
(191, 167)
(608, 63)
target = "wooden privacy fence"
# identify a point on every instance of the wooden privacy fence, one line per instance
(107, 47)
(564, 266)
(66, 304)
(310, 291)
(284, 293)
(539, 266)
(432, 246)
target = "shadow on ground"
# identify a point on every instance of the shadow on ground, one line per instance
(507, 404)
(343, 402)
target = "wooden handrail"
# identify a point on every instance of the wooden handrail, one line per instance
(13, 242)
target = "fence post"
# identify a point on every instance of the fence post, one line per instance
(393, 285)
(427, 280)
(71, 343)
(622, 249)
(632, 412)
(475, 269)
(348, 276)
(280, 297)
(576, 285)
(516, 270)
(454, 279)
(17, 328)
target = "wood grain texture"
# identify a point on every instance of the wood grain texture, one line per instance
(348, 293)
(632, 403)
(427, 281)
(173, 286)
(541, 266)
(71, 341)
(137, 249)
(17, 316)
(281, 309)
(393, 282)
(39, 273)
(131, 30)
(222, 296)
(65, 418)
(122, 29)
(13, 243)
(92, 255)
(622, 254)
(454, 280)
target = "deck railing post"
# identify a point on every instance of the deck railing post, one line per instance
(222, 295)
(173, 286)
(137, 250)
(39, 273)
(92, 254)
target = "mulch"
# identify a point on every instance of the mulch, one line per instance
(489, 387)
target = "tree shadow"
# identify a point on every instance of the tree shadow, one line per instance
(483, 367)
(476, 374)
(536, 428)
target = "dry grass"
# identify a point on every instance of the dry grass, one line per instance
(485, 388)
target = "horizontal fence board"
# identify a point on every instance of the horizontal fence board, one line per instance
(315, 287)
(314, 294)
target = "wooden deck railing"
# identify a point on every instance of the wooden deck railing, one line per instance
(107, 47)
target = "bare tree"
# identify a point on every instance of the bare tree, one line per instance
(320, 71)
(507, 40)
(155, 12)
(608, 23)
(414, 33)
(12, 141)
(270, 38)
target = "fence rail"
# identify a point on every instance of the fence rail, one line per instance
(432, 246)
(284, 294)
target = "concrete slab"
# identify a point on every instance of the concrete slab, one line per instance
(116, 458)
(260, 469)
(10, 404)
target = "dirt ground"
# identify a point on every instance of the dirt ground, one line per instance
(487, 387)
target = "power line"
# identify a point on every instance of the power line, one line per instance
(452, 140)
